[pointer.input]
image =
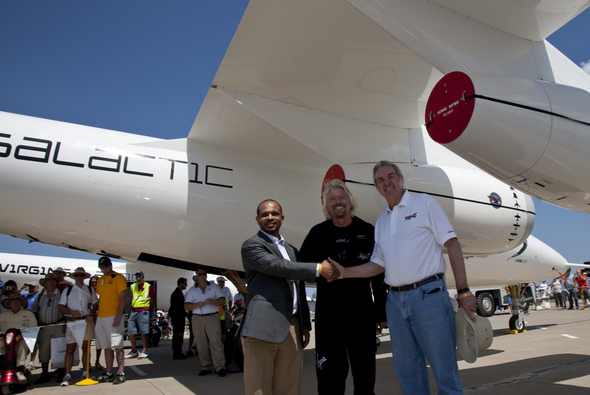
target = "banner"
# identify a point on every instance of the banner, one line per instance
(30, 336)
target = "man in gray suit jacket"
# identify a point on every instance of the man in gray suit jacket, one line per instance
(277, 324)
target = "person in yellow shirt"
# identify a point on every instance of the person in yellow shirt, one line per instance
(112, 289)
(139, 319)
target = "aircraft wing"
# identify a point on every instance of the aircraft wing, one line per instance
(318, 73)
(334, 80)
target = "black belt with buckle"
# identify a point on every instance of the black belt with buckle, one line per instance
(204, 315)
(417, 284)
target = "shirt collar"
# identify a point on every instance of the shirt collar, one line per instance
(274, 239)
(405, 201)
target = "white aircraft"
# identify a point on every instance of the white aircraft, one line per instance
(29, 269)
(310, 91)
(533, 261)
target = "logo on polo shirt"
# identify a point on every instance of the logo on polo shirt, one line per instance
(409, 217)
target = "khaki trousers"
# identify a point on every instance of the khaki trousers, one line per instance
(207, 332)
(273, 368)
(44, 340)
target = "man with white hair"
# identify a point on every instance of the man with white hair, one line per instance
(410, 236)
(345, 313)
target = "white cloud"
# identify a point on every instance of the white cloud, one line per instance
(586, 66)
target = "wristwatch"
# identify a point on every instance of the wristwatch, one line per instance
(463, 290)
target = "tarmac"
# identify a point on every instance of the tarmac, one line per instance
(552, 357)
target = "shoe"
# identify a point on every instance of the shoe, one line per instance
(119, 379)
(221, 372)
(44, 378)
(21, 377)
(66, 380)
(205, 372)
(106, 378)
(132, 354)
(142, 355)
(59, 374)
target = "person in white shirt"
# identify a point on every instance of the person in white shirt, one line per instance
(225, 291)
(205, 300)
(409, 239)
(75, 304)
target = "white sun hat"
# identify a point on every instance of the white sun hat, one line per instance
(473, 336)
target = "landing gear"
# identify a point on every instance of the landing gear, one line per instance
(517, 322)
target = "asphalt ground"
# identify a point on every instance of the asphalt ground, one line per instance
(552, 357)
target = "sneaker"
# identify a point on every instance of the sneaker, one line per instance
(119, 378)
(66, 380)
(106, 378)
(205, 372)
(132, 354)
(142, 355)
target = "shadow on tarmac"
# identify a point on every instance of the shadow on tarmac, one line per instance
(534, 375)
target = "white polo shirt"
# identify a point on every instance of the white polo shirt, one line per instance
(409, 239)
(78, 299)
(196, 295)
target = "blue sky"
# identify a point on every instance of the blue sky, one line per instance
(142, 67)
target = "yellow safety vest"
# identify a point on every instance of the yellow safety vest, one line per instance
(140, 299)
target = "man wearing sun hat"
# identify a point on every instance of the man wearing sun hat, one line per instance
(60, 276)
(13, 347)
(16, 315)
(75, 305)
(49, 316)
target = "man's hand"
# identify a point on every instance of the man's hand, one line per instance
(329, 271)
(75, 313)
(306, 338)
(467, 302)
(339, 270)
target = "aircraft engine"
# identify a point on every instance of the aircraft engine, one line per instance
(488, 215)
(528, 133)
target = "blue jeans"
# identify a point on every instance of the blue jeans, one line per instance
(422, 326)
(139, 322)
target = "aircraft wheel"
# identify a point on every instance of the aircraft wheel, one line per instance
(516, 325)
(486, 306)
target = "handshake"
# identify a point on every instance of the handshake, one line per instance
(331, 270)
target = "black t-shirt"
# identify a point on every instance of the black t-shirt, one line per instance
(349, 246)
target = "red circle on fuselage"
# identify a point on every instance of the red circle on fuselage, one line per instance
(335, 172)
(450, 107)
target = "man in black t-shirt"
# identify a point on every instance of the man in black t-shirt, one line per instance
(345, 314)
